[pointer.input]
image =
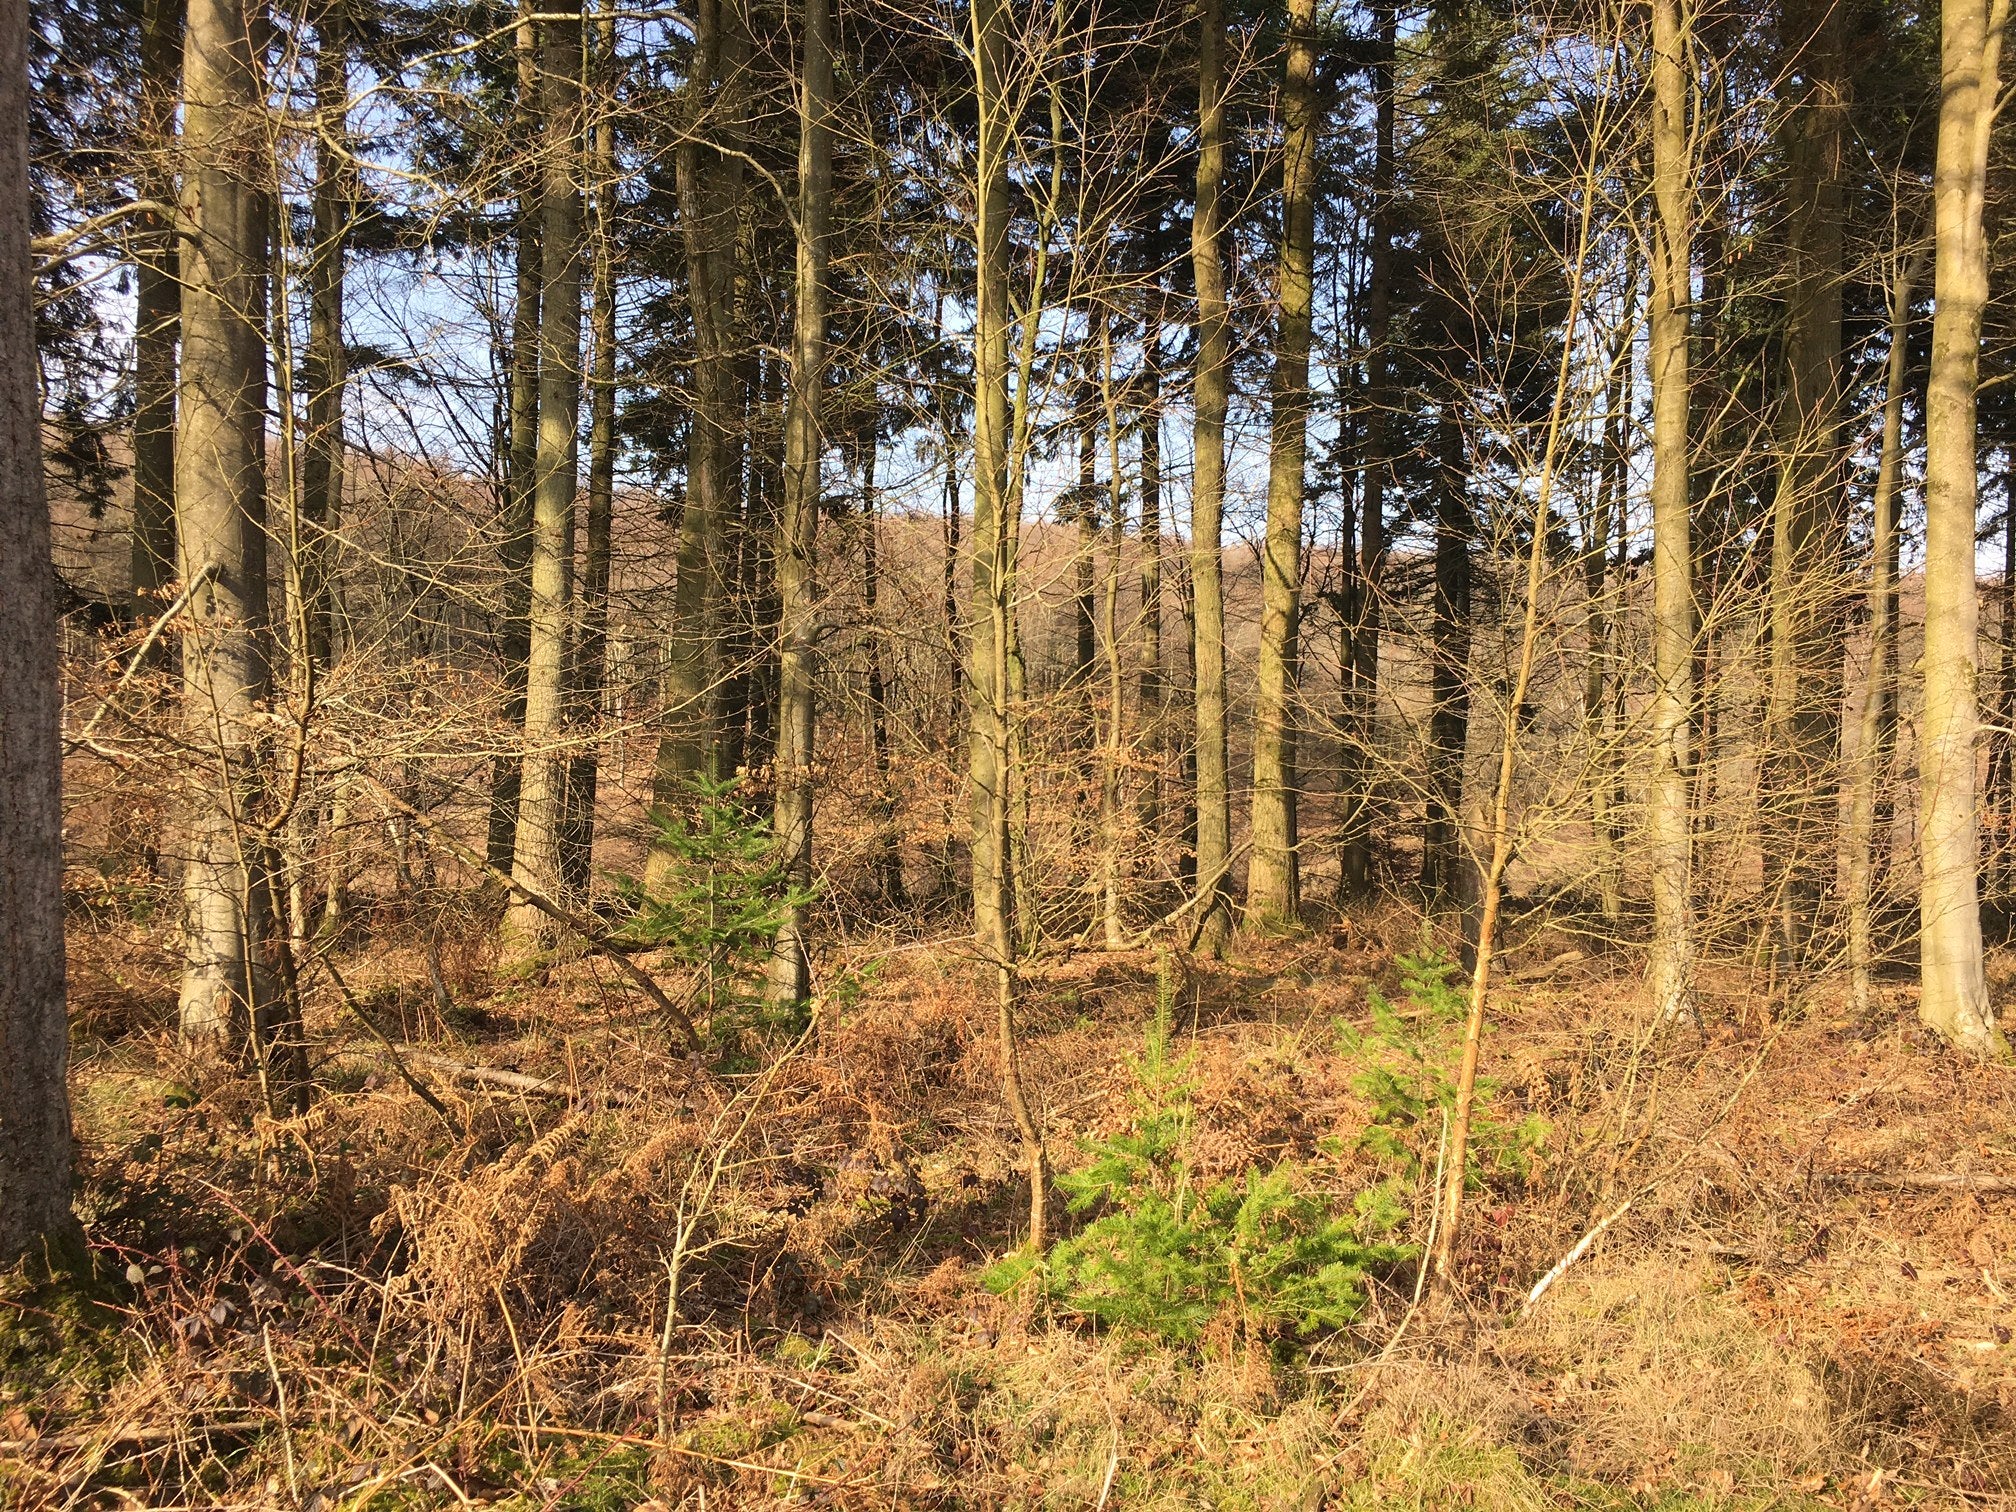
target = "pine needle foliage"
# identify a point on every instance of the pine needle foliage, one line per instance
(1166, 1256)
(1407, 1054)
(728, 895)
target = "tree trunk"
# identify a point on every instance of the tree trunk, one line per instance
(1668, 820)
(709, 181)
(797, 534)
(990, 650)
(1878, 730)
(1362, 675)
(1211, 398)
(35, 1219)
(515, 549)
(220, 493)
(1807, 511)
(155, 317)
(1953, 990)
(536, 860)
(325, 375)
(889, 840)
(1602, 677)
(591, 656)
(1273, 882)
(1442, 860)
(1151, 692)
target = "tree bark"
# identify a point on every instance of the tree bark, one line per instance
(536, 861)
(1668, 820)
(797, 534)
(1210, 399)
(1807, 510)
(1953, 986)
(990, 648)
(1273, 882)
(35, 1153)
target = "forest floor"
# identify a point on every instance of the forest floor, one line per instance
(384, 1304)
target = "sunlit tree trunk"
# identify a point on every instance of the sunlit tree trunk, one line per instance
(1273, 881)
(1953, 986)
(797, 535)
(709, 171)
(220, 497)
(35, 1219)
(1668, 823)
(542, 798)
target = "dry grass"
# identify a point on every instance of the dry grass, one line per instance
(367, 1307)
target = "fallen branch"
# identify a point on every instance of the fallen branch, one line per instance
(1927, 1181)
(1581, 1249)
(544, 1431)
(517, 1081)
(590, 935)
(419, 1088)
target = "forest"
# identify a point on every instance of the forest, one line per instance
(1040, 753)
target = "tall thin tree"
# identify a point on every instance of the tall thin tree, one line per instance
(1273, 881)
(536, 860)
(1953, 983)
(1211, 390)
(797, 533)
(1669, 818)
